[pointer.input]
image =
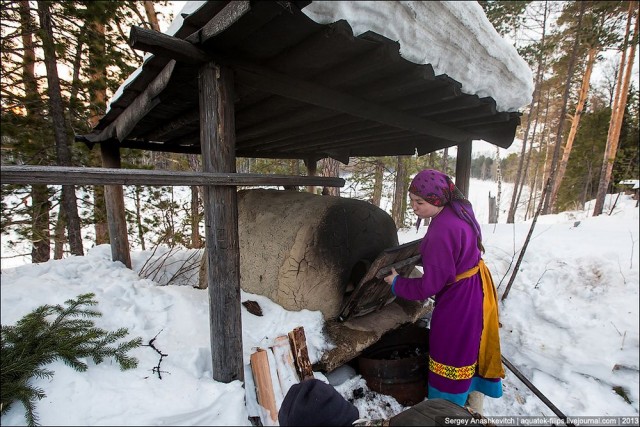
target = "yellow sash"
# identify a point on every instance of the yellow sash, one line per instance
(489, 361)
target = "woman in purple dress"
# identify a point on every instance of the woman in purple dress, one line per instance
(464, 341)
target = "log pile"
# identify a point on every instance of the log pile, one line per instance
(278, 367)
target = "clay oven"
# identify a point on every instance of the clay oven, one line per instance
(305, 251)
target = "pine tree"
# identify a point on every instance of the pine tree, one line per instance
(34, 342)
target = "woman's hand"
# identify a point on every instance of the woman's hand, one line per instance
(389, 278)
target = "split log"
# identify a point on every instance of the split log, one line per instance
(285, 366)
(264, 386)
(298, 342)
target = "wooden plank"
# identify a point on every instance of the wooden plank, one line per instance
(109, 176)
(264, 386)
(385, 271)
(267, 80)
(217, 136)
(372, 292)
(298, 342)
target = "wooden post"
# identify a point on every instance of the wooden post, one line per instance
(463, 167)
(217, 140)
(114, 199)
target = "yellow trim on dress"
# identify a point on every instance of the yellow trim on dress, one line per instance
(451, 372)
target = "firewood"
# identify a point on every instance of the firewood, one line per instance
(262, 379)
(298, 342)
(285, 366)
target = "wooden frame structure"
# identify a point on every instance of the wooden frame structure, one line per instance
(261, 79)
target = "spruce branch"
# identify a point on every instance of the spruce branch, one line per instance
(34, 342)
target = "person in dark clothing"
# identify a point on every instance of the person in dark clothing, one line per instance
(315, 403)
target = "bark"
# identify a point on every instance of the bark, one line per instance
(399, 197)
(151, 15)
(617, 113)
(312, 170)
(445, 160)
(100, 215)
(138, 204)
(59, 237)
(41, 250)
(69, 202)
(499, 179)
(97, 106)
(331, 167)
(584, 90)
(563, 111)
(41, 239)
(377, 183)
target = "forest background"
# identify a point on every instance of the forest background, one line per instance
(62, 62)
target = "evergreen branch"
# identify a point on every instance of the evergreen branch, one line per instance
(35, 342)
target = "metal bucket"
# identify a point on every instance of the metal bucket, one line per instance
(397, 364)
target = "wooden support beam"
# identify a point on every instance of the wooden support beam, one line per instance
(106, 176)
(217, 139)
(144, 102)
(463, 167)
(114, 201)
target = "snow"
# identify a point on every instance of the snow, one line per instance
(456, 38)
(569, 324)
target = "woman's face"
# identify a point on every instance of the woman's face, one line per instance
(422, 208)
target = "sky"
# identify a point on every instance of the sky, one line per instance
(569, 324)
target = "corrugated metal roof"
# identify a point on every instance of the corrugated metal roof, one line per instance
(302, 90)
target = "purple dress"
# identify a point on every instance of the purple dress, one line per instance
(448, 249)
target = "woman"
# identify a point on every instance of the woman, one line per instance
(464, 342)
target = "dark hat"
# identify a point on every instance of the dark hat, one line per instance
(315, 403)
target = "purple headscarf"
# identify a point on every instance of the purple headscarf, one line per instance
(438, 189)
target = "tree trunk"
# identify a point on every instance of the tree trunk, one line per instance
(312, 170)
(331, 167)
(445, 160)
(69, 202)
(59, 237)
(534, 102)
(40, 204)
(617, 113)
(377, 183)
(584, 90)
(563, 110)
(399, 197)
(100, 215)
(41, 250)
(499, 179)
(151, 15)
(138, 204)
